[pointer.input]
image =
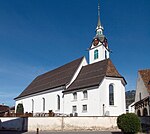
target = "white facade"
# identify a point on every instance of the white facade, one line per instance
(35, 103)
(142, 96)
(103, 53)
(97, 100)
(141, 90)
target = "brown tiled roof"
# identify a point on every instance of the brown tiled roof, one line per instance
(145, 75)
(52, 79)
(3, 108)
(93, 74)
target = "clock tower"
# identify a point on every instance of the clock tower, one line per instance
(98, 50)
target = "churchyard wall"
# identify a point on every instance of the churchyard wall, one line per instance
(58, 123)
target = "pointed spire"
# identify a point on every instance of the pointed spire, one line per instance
(99, 28)
(99, 22)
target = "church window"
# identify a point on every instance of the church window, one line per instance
(43, 104)
(58, 102)
(84, 108)
(32, 105)
(85, 95)
(74, 109)
(95, 54)
(105, 54)
(140, 97)
(75, 96)
(111, 94)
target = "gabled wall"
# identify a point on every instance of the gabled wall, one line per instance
(140, 88)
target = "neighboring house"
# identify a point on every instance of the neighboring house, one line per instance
(79, 88)
(142, 98)
(3, 110)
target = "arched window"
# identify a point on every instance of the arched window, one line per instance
(111, 94)
(58, 102)
(138, 113)
(32, 106)
(85, 95)
(43, 104)
(145, 113)
(105, 54)
(95, 54)
(75, 96)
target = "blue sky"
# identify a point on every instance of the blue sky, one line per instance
(39, 35)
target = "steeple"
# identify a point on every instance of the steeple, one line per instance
(98, 50)
(99, 28)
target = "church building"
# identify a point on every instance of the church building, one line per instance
(79, 88)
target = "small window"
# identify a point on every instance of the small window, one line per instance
(111, 94)
(43, 104)
(84, 108)
(74, 109)
(58, 102)
(140, 96)
(32, 105)
(105, 54)
(85, 95)
(75, 96)
(95, 54)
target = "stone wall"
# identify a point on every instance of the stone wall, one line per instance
(59, 123)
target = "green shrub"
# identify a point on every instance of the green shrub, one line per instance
(20, 109)
(129, 123)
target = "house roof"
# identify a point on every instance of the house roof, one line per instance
(93, 74)
(3, 108)
(145, 75)
(52, 79)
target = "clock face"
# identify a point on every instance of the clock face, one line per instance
(95, 42)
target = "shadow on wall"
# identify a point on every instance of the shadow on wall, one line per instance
(14, 124)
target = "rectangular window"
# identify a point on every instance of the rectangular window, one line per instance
(84, 108)
(75, 96)
(140, 97)
(74, 109)
(85, 95)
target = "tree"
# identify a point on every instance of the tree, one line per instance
(20, 109)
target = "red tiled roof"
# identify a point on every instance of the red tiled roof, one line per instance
(93, 74)
(145, 75)
(52, 79)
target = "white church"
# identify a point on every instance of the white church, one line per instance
(78, 87)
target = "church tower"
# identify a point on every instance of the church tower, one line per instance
(98, 50)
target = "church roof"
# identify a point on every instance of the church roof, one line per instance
(52, 79)
(145, 75)
(93, 74)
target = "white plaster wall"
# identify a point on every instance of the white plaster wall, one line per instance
(140, 88)
(50, 102)
(119, 97)
(49, 123)
(92, 102)
(60, 123)
(96, 98)
(90, 123)
(101, 49)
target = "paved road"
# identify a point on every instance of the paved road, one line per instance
(45, 132)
